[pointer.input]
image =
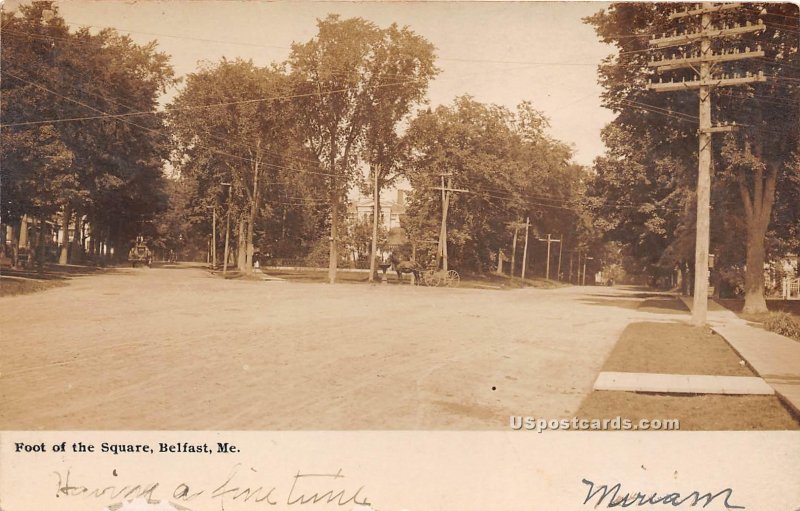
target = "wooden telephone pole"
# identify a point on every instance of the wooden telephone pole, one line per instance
(558, 271)
(514, 249)
(213, 236)
(441, 255)
(550, 240)
(517, 226)
(227, 230)
(705, 83)
(525, 250)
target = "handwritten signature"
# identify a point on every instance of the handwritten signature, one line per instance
(614, 497)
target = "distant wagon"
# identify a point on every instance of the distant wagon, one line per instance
(140, 253)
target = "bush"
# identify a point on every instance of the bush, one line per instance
(319, 254)
(783, 323)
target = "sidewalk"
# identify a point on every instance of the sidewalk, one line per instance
(773, 357)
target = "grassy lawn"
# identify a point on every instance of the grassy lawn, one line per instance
(679, 348)
(696, 413)
(790, 307)
(673, 348)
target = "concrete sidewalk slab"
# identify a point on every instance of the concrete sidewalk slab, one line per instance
(682, 383)
(773, 357)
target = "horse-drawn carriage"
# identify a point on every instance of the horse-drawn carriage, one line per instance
(140, 253)
(429, 276)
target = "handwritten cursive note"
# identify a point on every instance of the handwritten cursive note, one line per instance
(301, 489)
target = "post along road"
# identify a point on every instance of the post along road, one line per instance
(175, 348)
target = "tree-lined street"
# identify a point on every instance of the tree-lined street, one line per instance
(215, 153)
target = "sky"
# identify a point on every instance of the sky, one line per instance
(497, 52)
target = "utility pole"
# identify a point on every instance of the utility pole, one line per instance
(213, 235)
(517, 226)
(550, 240)
(558, 273)
(571, 256)
(442, 254)
(583, 282)
(514, 250)
(227, 230)
(525, 251)
(705, 83)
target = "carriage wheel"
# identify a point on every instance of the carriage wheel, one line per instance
(430, 278)
(453, 279)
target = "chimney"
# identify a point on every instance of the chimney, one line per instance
(401, 197)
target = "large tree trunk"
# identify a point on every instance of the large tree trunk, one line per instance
(23, 232)
(249, 246)
(41, 244)
(76, 247)
(24, 242)
(334, 254)
(63, 256)
(241, 250)
(758, 209)
(15, 230)
(106, 246)
(754, 301)
(251, 221)
(95, 245)
(376, 212)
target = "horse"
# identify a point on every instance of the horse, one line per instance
(402, 267)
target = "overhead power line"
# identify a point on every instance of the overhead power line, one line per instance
(152, 130)
(201, 107)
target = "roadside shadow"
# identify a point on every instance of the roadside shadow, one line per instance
(663, 305)
(615, 301)
(55, 272)
(644, 295)
(658, 304)
(181, 266)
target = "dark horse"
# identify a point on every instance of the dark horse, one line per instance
(406, 266)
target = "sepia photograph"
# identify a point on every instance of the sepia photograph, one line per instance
(540, 219)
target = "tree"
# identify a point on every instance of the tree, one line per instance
(639, 196)
(401, 56)
(656, 134)
(358, 240)
(231, 124)
(352, 73)
(61, 89)
(511, 168)
(39, 176)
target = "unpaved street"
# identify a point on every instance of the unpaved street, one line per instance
(174, 348)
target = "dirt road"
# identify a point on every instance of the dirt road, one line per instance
(174, 348)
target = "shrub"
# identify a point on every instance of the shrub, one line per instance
(783, 323)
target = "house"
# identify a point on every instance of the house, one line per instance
(785, 277)
(392, 211)
(391, 217)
